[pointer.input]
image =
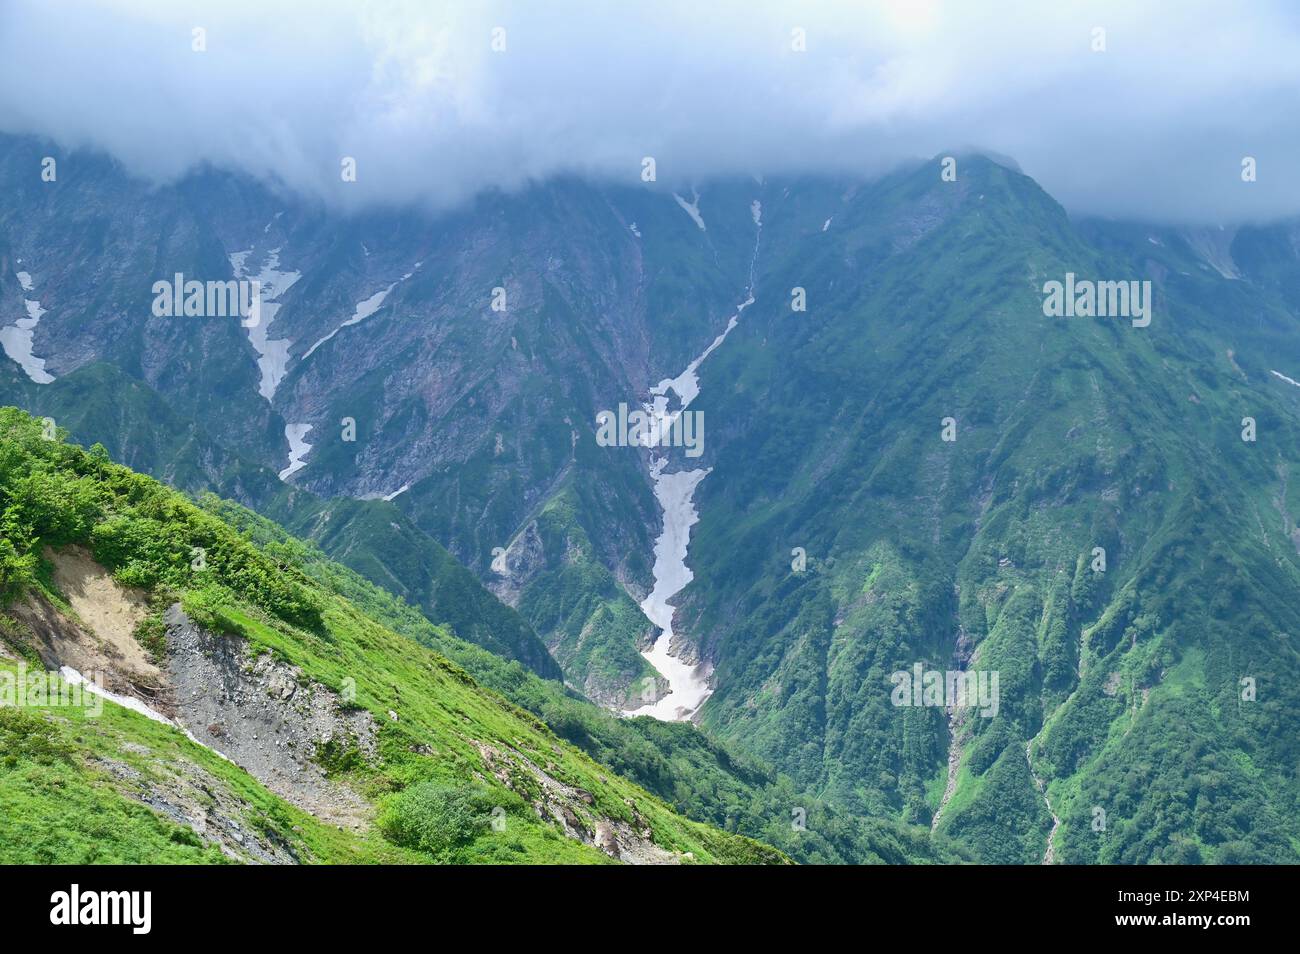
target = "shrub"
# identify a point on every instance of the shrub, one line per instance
(17, 568)
(436, 817)
(27, 736)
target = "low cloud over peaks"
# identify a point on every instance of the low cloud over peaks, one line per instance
(437, 101)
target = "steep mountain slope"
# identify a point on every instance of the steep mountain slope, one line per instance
(1121, 682)
(343, 719)
(391, 358)
(99, 404)
(697, 776)
(841, 538)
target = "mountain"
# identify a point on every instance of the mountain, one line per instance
(698, 776)
(1128, 728)
(273, 706)
(138, 426)
(476, 412)
(1096, 533)
(257, 715)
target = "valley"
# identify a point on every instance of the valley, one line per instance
(641, 602)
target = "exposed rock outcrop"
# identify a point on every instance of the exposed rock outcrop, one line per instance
(263, 715)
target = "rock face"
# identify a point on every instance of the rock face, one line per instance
(395, 357)
(262, 715)
(575, 811)
(191, 796)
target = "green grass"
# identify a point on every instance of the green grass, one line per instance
(54, 493)
(60, 803)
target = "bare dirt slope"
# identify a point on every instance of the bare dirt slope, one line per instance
(100, 641)
(108, 609)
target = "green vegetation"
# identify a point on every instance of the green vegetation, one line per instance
(1072, 434)
(697, 776)
(375, 539)
(594, 627)
(437, 818)
(443, 730)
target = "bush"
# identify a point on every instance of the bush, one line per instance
(17, 569)
(27, 736)
(436, 817)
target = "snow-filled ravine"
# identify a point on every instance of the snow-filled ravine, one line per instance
(16, 339)
(688, 685)
(272, 353)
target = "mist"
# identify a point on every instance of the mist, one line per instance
(1141, 111)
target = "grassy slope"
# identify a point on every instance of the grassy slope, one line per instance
(594, 626)
(697, 776)
(61, 803)
(54, 493)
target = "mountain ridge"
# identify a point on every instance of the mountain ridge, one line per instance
(825, 434)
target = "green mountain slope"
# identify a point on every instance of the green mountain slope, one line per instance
(1120, 689)
(98, 403)
(441, 769)
(696, 775)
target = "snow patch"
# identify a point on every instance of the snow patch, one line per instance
(298, 448)
(692, 208)
(16, 339)
(364, 309)
(688, 684)
(272, 353)
(74, 678)
(380, 495)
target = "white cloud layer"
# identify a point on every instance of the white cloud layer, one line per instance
(1153, 127)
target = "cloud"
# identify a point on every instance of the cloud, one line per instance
(1154, 127)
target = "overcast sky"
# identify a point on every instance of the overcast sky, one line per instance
(1153, 127)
